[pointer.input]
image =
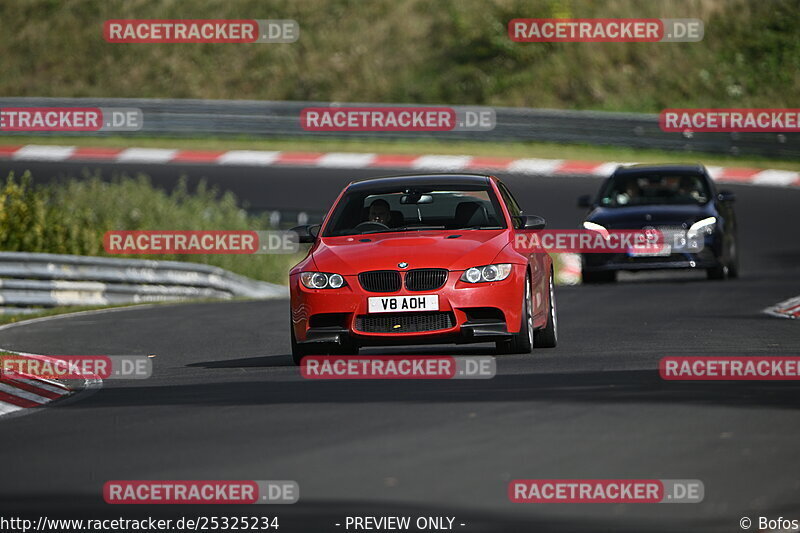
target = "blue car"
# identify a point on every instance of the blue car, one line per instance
(697, 221)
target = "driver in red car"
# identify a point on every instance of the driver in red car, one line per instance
(379, 212)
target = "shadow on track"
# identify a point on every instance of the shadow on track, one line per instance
(630, 386)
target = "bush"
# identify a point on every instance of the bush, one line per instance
(72, 217)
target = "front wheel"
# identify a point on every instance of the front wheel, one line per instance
(547, 337)
(733, 261)
(521, 342)
(719, 272)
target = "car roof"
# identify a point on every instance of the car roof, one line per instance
(685, 168)
(419, 180)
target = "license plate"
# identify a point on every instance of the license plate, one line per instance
(666, 249)
(395, 304)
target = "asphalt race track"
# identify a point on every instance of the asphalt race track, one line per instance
(225, 402)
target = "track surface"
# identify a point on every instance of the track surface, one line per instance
(224, 402)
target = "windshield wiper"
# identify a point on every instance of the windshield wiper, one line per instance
(418, 228)
(406, 228)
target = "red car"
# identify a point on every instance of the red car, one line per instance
(420, 260)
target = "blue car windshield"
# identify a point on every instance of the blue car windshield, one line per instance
(623, 191)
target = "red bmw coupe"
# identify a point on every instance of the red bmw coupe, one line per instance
(421, 259)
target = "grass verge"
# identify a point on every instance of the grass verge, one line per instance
(72, 217)
(448, 51)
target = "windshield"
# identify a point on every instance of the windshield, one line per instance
(406, 209)
(622, 191)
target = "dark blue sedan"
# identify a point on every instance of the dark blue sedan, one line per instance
(697, 221)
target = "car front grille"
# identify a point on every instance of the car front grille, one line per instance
(425, 279)
(380, 281)
(405, 322)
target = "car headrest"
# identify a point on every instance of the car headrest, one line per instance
(396, 219)
(470, 214)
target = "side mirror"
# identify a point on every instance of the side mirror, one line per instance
(585, 201)
(726, 196)
(307, 233)
(530, 222)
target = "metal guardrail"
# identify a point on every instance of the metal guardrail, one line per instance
(47, 280)
(193, 118)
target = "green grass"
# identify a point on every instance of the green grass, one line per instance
(493, 149)
(433, 52)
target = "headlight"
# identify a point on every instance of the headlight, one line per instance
(596, 227)
(321, 280)
(485, 273)
(703, 226)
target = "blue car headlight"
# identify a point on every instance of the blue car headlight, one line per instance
(592, 226)
(702, 227)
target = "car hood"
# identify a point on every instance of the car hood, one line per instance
(636, 217)
(350, 255)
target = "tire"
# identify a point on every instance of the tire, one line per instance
(607, 276)
(717, 273)
(733, 261)
(521, 342)
(547, 337)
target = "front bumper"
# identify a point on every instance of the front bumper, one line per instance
(477, 312)
(606, 262)
(683, 256)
